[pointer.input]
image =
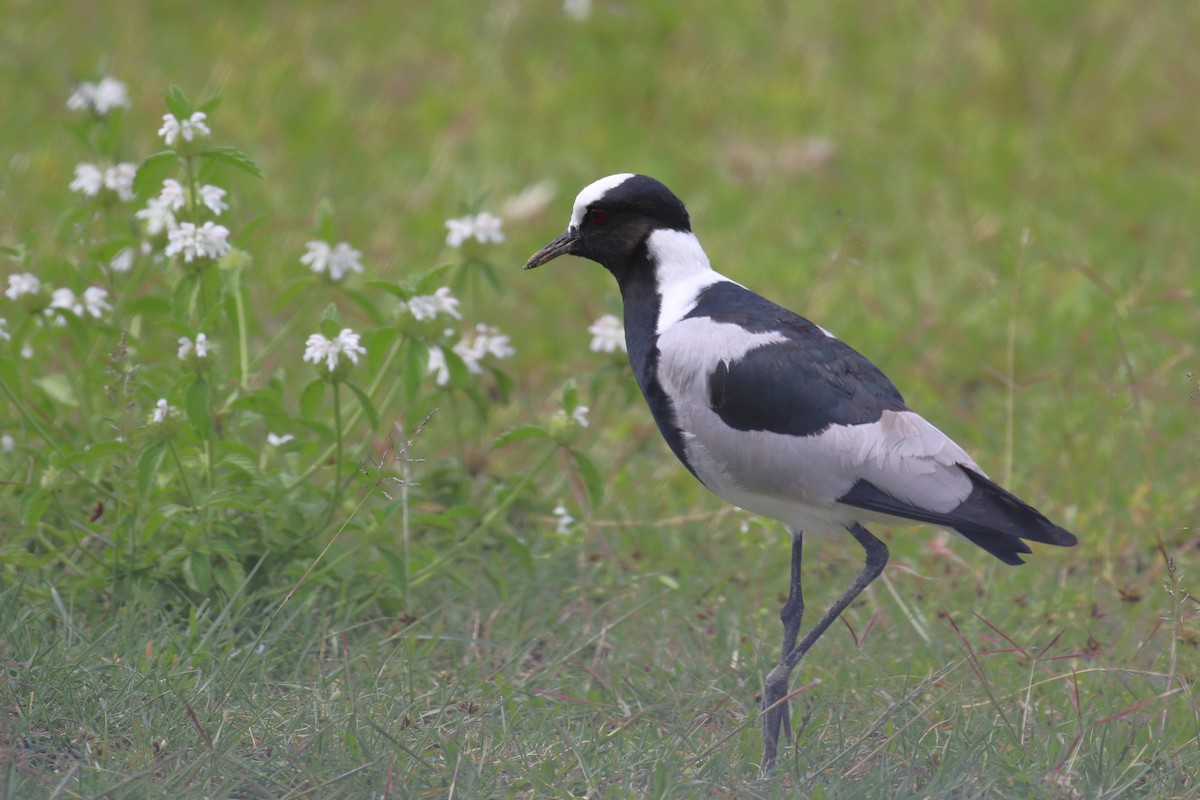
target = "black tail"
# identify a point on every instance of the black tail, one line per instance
(991, 517)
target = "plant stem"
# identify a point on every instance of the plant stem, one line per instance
(354, 415)
(338, 453)
(489, 519)
(239, 305)
(182, 475)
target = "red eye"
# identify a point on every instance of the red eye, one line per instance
(597, 216)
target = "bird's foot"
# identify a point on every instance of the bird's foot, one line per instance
(776, 715)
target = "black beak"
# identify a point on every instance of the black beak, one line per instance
(564, 244)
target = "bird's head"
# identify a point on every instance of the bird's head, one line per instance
(612, 220)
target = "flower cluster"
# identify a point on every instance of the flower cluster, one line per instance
(472, 349)
(191, 241)
(93, 303)
(22, 283)
(99, 98)
(199, 347)
(90, 180)
(318, 348)
(430, 306)
(162, 410)
(188, 129)
(483, 227)
(337, 262)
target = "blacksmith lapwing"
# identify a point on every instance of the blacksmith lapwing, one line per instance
(776, 415)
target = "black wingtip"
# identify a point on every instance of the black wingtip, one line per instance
(991, 517)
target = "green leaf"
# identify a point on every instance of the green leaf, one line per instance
(231, 498)
(429, 281)
(265, 403)
(234, 158)
(152, 172)
(57, 388)
(520, 433)
(331, 321)
(518, 549)
(8, 374)
(379, 343)
(396, 569)
(197, 404)
(592, 480)
(183, 298)
(416, 361)
(147, 468)
(310, 398)
(197, 573)
(148, 304)
(97, 452)
(367, 406)
(367, 302)
(177, 103)
(570, 395)
(35, 506)
(230, 576)
(390, 287)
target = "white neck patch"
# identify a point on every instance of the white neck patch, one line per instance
(682, 273)
(593, 192)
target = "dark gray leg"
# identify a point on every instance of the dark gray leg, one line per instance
(791, 615)
(776, 685)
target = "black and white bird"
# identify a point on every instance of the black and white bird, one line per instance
(776, 415)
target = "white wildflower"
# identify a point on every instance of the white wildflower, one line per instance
(5, 335)
(172, 195)
(485, 340)
(123, 260)
(438, 365)
(119, 178)
(564, 519)
(607, 334)
(213, 197)
(8, 443)
(429, 306)
(64, 300)
(191, 242)
(100, 97)
(157, 216)
(89, 179)
(189, 128)
(459, 230)
(317, 257)
(95, 301)
(577, 9)
(487, 228)
(22, 283)
(317, 348)
(579, 415)
(200, 346)
(528, 203)
(337, 261)
(277, 440)
(161, 411)
(484, 227)
(469, 355)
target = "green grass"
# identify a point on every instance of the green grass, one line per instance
(1007, 226)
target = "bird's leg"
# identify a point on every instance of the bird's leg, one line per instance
(791, 616)
(776, 684)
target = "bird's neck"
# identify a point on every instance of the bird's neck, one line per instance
(659, 285)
